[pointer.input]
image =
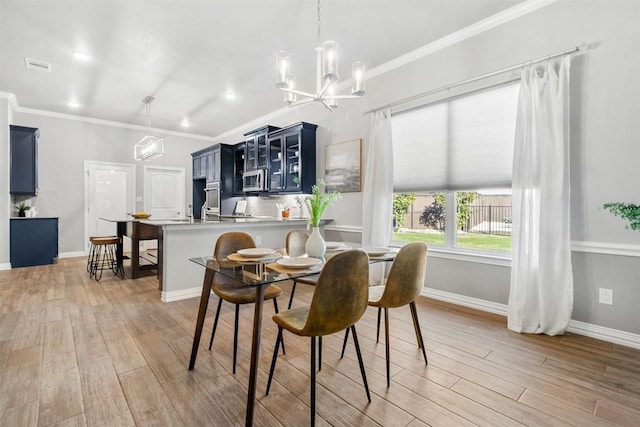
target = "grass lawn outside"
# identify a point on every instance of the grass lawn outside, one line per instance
(482, 241)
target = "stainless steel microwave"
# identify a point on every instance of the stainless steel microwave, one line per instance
(254, 180)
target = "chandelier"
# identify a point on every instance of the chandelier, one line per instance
(326, 76)
(150, 147)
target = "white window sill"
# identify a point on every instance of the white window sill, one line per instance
(458, 254)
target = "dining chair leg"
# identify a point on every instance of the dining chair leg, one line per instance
(386, 344)
(416, 325)
(378, 329)
(364, 375)
(344, 343)
(235, 337)
(293, 291)
(273, 360)
(215, 323)
(275, 307)
(313, 381)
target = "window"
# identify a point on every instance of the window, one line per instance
(482, 221)
(452, 166)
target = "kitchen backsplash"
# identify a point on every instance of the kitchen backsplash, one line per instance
(267, 205)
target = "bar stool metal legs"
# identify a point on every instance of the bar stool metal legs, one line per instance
(102, 256)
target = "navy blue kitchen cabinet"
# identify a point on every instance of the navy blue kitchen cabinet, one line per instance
(33, 241)
(24, 160)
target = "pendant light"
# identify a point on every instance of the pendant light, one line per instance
(326, 76)
(150, 147)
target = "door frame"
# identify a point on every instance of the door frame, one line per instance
(87, 164)
(146, 197)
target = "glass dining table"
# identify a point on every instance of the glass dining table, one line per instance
(258, 275)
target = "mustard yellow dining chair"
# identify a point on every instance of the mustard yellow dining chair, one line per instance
(339, 301)
(294, 244)
(231, 290)
(404, 283)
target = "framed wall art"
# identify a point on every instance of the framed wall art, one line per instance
(343, 166)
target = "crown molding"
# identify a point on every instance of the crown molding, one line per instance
(18, 109)
(479, 27)
(11, 98)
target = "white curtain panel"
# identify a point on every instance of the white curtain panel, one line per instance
(541, 295)
(377, 200)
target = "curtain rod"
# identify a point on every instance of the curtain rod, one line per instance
(581, 48)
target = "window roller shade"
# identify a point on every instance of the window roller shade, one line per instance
(461, 144)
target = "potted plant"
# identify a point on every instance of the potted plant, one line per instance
(23, 207)
(628, 211)
(317, 203)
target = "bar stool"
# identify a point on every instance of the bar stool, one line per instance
(102, 256)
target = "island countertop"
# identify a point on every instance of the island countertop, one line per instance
(180, 240)
(224, 222)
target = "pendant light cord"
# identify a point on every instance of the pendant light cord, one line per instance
(319, 22)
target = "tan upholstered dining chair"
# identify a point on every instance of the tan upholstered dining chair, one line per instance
(339, 300)
(404, 283)
(231, 290)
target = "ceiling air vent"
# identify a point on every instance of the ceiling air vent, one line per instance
(36, 64)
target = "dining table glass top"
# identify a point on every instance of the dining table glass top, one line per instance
(257, 272)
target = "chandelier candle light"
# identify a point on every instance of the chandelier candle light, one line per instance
(150, 147)
(326, 76)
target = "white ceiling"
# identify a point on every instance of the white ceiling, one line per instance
(188, 53)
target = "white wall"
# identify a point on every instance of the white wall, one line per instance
(64, 146)
(605, 152)
(5, 208)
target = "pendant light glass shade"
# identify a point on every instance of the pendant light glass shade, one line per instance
(357, 75)
(330, 61)
(290, 97)
(283, 64)
(149, 147)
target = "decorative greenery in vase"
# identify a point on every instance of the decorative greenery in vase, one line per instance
(628, 211)
(318, 202)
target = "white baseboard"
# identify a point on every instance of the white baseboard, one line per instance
(478, 304)
(181, 294)
(5, 266)
(605, 334)
(72, 254)
(581, 328)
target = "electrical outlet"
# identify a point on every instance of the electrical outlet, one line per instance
(605, 296)
(258, 240)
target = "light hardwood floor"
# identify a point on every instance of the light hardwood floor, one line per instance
(77, 352)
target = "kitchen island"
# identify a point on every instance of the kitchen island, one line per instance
(179, 240)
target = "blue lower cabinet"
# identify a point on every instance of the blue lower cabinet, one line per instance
(34, 241)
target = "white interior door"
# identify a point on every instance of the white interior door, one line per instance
(110, 193)
(164, 189)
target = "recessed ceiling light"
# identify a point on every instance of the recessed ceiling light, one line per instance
(230, 94)
(73, 104)
(185, 123)
(81, 56)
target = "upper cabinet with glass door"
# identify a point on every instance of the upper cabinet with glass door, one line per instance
(256, 151)
(292, 158)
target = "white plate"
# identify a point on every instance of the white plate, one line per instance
(299, 262)
(253, 260)
(334, 245)
(377, 251)
(255, 252)
(339, 248)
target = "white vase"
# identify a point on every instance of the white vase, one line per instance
(315, 246)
